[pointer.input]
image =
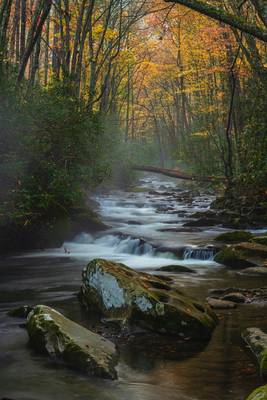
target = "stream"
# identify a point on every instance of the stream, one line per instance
(145, 232)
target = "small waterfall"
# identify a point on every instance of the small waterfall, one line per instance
(119, 244)
(134, 246)
(205, 254)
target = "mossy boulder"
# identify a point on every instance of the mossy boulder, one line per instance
(234, 237)
(260, 240)
(252, 250)
(66, 341)
(177, 269)
(220, 304)
(256, 271)
(117, 291)
(259, 394)
(20, 312)
(233, 258)
(256, 339)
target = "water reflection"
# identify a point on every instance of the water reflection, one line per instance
(148, 370)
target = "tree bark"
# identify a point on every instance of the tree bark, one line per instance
(35, 32)
(22, 28)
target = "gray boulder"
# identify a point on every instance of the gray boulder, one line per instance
(220, 304)
(117, 291)
(66, 341)
(177, 269)
(256, 339)
(255, 271)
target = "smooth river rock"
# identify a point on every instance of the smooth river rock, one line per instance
(234, 237)
(256, 339)
(68, 342)
(177, 269)
(233, 258)
(220, 304)
(235, 297)
(118, 291)
(255, 271)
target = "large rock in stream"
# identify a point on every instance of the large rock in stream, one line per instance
(66, 341)
(259, 394)
(242, 255)
(117, 291)
(256, 339)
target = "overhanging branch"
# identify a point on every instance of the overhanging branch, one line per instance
(221, 15)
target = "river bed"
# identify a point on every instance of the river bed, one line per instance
(140, 222)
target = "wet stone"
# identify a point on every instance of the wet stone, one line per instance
(219, 304)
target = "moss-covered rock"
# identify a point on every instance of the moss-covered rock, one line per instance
(20, 312)
(257, 341)
(64, 340)
(234, 237)
(255, 271)
(117, 291)
(259, 394)
(260, 240)
(177, 269)
(253, 250)
(219, 304)
(233, 258)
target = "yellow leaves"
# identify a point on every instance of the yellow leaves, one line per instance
(209, 109)
(200, 134)
(99, 30)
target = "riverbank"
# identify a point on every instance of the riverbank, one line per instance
(223, 369)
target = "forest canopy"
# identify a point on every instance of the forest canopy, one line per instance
(87, 86)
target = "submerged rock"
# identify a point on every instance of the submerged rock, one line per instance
(255, 271)
(202, 222)
(236, 297)
(20, 312)
(220, 304)
(257, 341)
(260, 240)
(117, 291)
(254, 250)
(66, 341)
(234, 237)
(259, 394)
(233, 258)
(177, 269)
(250, 295)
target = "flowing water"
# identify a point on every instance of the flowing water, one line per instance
(146, 232)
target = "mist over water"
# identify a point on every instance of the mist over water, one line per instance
(146, 232)
(141, 224)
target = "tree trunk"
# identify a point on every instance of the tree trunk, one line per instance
(35, 31)
(178, 174)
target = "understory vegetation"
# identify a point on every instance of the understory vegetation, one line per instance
(88, 89)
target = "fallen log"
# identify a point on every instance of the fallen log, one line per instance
(174, 173)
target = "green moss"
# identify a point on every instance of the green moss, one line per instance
(260, 240)
(232, 258)
(253, 250)
(259, 394)
(51, 333)
(120, 292)
(234, 237)
(263, 362)
(20, 312)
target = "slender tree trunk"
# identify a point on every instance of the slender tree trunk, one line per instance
(23, 27)
(35, 31)
(46, 58)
